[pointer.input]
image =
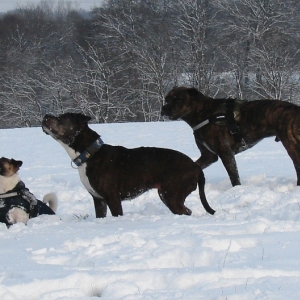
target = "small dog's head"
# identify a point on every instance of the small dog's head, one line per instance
(9, 167)
(180, 102)
(65, 127)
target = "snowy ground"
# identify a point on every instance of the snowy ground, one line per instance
(248, 250)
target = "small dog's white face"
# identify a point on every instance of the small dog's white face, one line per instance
(9, 177)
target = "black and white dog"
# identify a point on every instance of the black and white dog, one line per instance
(17, 204)
(112, 174)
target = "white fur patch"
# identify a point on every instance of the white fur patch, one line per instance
(52, 200)
(82, 170)
(8, 183)
(16, 215)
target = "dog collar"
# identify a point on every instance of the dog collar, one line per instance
(219, 117)
(88, 152)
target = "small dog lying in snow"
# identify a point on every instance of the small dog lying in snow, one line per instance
(17, 204)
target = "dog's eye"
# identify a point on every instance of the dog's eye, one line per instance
(178, 99)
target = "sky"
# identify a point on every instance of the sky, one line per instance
(6, 5)
(248, 250)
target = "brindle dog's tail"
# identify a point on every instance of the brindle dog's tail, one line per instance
(201, 183)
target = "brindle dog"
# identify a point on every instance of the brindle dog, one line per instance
(225, 127)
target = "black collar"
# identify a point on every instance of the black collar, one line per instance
(88, 152)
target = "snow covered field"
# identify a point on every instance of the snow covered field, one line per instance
(250, 249)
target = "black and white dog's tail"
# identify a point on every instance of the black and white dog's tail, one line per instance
(201, 183)
(52, 200)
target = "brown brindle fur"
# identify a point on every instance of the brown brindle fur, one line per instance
(116, 173)
(258, 119)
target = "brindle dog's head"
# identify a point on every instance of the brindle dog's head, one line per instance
(9, 167)
(180, 102)
(65, 127)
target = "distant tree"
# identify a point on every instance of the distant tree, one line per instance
(136, 32)
(259, 46)
(195, 30)
(117, 62)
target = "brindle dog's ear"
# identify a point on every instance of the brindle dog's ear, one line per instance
(193, 92)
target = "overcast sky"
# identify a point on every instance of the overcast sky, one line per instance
(6, 5)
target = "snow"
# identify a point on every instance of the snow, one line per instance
(248, 250)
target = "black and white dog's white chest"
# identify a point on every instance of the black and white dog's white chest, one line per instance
(81, 170)
(85, 181)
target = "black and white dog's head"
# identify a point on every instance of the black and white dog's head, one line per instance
(65, 127)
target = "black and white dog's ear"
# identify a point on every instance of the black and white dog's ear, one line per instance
(83, 118)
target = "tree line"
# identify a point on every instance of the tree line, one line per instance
(117, 61)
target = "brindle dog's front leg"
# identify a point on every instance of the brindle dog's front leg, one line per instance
(100, 207)
(230, 165)
(207, 157)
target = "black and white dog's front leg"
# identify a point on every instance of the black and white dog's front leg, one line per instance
(100, 207)
(114, 204)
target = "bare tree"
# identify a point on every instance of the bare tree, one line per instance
(262, 52)
(137, 31)
(195, 26)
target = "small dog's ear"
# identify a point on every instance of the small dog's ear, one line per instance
(16, 163)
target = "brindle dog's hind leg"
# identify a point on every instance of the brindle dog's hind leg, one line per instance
(293, 151)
